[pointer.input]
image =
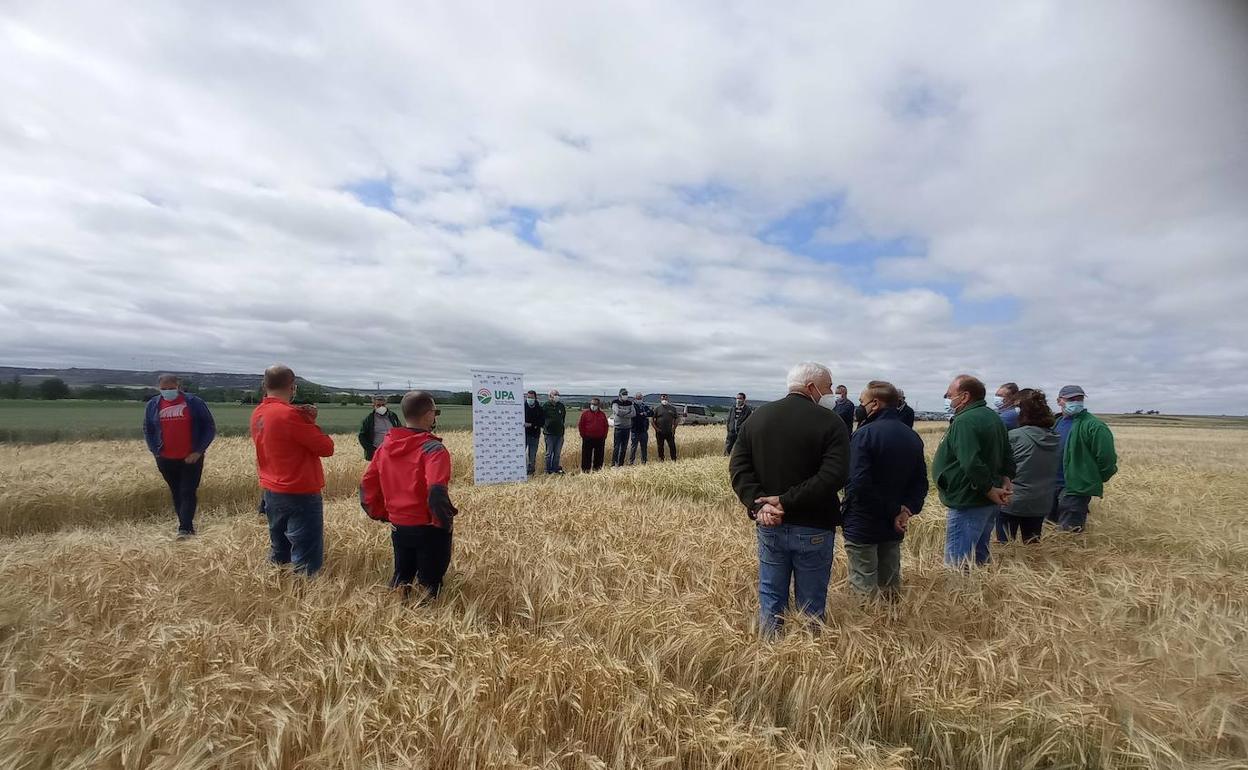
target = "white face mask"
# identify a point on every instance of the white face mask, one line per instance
(826, 400)
(740, 402)
(380, 410)
(840, 396)
(593, 407)
(664, 402)
(948, 404)
(554, 399)
(530, 401)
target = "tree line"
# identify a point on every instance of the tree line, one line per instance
(54, 389)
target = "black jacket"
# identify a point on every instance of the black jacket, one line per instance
(534, 417)
(886, 471)
(906, 414)
(366, 431)
(798, 450)
(845, 410)
(737, 417)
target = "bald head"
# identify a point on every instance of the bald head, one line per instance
(419, 409)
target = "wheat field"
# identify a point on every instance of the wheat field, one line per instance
(606, 622)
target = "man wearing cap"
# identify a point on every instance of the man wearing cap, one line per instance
(622, 410)
(376, 425)
(1088, 460)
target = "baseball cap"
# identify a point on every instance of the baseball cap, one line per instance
(1069, 391)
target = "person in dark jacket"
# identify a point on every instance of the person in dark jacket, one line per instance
(905, 412)
(376, 425)
(844, 408)
(178, 429)
(1005, 401)
(554, 426)
(534, 417)
(640, 434)
(1036, 459)
(972, 469)
(790, 460)
(887, 486)
(593, 429)
(737, 415)
(665, 419)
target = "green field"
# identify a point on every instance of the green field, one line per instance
(43, 422)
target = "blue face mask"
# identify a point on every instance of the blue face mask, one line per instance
(169, 394)
(1073, 408)
(998, 402)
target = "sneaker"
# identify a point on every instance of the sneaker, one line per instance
(184, 534)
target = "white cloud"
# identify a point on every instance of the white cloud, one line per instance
(174, 192)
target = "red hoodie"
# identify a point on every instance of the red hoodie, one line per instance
(593, 424)
(406, 483)
(289, 448)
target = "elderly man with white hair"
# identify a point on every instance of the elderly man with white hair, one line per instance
(790, 460)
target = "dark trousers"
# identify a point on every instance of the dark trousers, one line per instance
(1070, 512)
(592, 453)
(183, 480)
(640, 439)
(729, 443)
(296, 530)
(1026, 527)
(421, 555)
(619, 452)
(668, 439)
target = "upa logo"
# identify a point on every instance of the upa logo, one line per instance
(484, 396)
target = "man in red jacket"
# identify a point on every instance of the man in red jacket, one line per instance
(289, 448)
(406, 485)
(593, 430)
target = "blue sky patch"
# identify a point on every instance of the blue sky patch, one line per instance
(374, 193)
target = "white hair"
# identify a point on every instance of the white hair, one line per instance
(804, 373)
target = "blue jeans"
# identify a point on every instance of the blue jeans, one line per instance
(640, 438)
(296, 530)
(967, 533)
(793, 554)
(620, 450)
(1070, 512)
(554, 450)
(530, 447)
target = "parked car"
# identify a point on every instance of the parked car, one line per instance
(696, 414)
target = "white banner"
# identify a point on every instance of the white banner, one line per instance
(498, 427)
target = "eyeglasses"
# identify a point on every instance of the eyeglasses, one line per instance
(437, 412)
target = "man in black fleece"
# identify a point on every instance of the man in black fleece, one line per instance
(790, 460)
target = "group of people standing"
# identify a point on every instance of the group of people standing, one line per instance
(793, 457)
(1006, 468)
(631, 417)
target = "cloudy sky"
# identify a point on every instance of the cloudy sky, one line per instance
(689, 196)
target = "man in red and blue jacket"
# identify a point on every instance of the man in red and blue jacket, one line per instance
(407, 485)
(178, 428)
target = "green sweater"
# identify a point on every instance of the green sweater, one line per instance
(973, 458)
(555, 413)
(1089, 460)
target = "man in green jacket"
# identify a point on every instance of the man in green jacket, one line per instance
(553, 428)
(1088, 460)
(376, 425)
(972, 469)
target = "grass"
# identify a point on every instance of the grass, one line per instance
(606, 621)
